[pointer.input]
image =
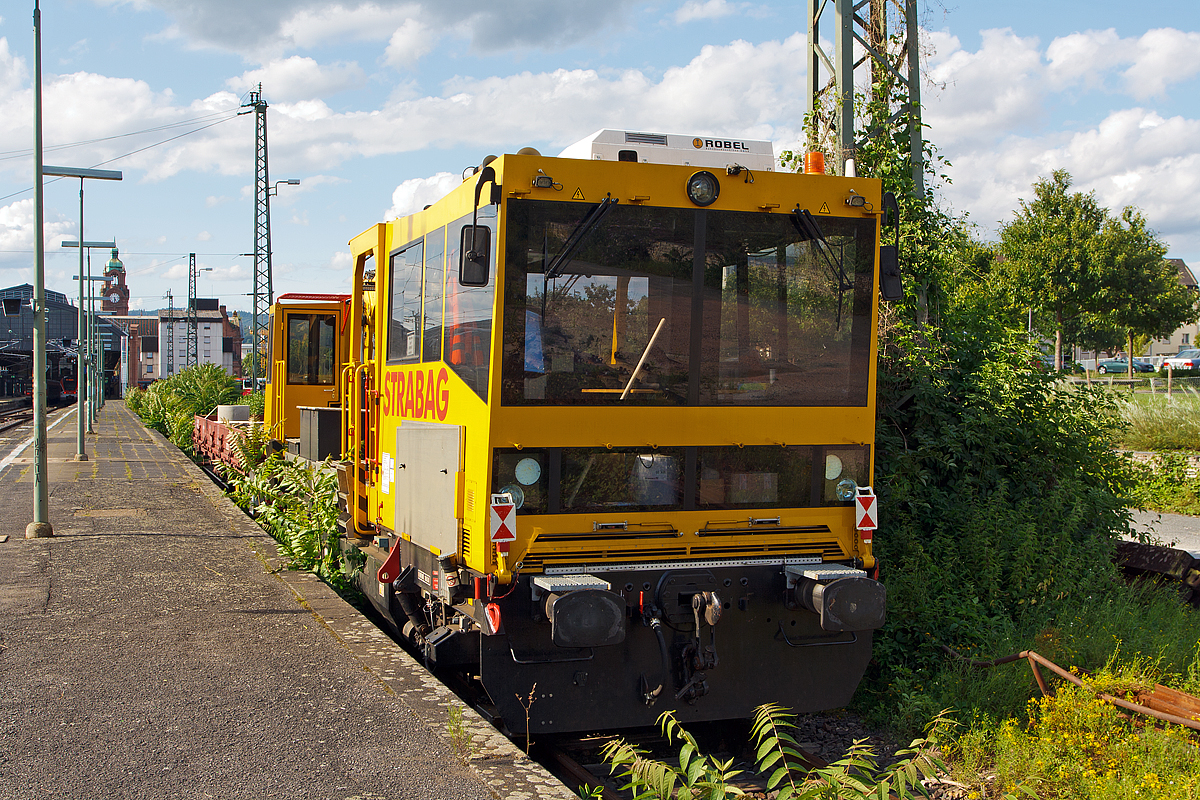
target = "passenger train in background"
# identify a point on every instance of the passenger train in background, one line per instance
(606, 427)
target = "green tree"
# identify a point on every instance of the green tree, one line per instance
(1141, 292)
(1050, 254)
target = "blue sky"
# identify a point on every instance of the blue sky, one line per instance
(379, 106)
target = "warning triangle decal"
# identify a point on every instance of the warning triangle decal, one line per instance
(579, 195)
(824, 208)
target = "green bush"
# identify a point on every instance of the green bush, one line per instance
(1000, 502)
(257, 402)
(1169, 484)
(296, 502)
(170, 406)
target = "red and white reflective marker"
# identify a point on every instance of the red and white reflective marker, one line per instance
(504, 521)
(866, 512)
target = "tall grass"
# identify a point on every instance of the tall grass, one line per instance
(1154, 422)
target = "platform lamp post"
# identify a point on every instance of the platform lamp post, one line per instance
(90, 338)
(82, 174)
(40, 526)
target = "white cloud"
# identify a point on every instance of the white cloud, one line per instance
(341, 260)
(409, 42)
(416, 193)
(13, 73)
(990, 122)
(17, 227)
(300, 78)
(310, 27)
(706, 9)
(203, 236)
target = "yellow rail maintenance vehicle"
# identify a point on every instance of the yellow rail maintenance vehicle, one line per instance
(608, 418)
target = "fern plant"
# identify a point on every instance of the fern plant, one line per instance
(857, 776)
(698, 776)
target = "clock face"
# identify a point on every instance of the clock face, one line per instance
(114, 297)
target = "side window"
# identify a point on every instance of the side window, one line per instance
(435, 246)
(469, 312)
(404, 325)
(310, 349)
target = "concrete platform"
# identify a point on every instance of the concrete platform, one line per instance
(155, 647)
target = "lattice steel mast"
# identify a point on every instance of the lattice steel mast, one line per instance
(262, 293)
(193, 343)
(170, 359)
(830, 98)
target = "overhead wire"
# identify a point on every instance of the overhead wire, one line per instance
(7, 155)
(133, 152)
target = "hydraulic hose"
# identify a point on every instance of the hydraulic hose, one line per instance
(650, 696)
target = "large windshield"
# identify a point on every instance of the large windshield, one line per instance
(663, 306)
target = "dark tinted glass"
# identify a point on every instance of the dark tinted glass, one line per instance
(786, 322)
(576, 331)
(468, 338)
(754, 477)
(431, 344)
(310, 349)
(404, 325)
(598, 479)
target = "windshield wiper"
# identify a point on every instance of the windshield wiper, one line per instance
(806, 224)
(584, 227)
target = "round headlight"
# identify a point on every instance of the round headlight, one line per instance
(845, 489)
(703, 188)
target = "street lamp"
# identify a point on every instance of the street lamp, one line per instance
(82, 174)
(90, 384)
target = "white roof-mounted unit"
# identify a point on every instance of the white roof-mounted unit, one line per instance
(672, 148)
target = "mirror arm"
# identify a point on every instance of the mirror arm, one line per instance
(486, 174)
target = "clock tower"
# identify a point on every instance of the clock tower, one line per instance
(116, 293)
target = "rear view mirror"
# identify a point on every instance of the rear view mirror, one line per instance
(891, 285)
(475, 255)
(891, 288)
(12, 306)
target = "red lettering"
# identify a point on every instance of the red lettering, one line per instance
(430, 402)
(409, 385)
(386, 406)
(419, 394)
(442, 397)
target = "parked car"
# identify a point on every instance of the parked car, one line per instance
(1121, 365)
(1184, 359)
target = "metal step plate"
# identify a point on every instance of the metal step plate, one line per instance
(557, 584)
(824, 573)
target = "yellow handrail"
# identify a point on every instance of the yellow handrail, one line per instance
(357, 436)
